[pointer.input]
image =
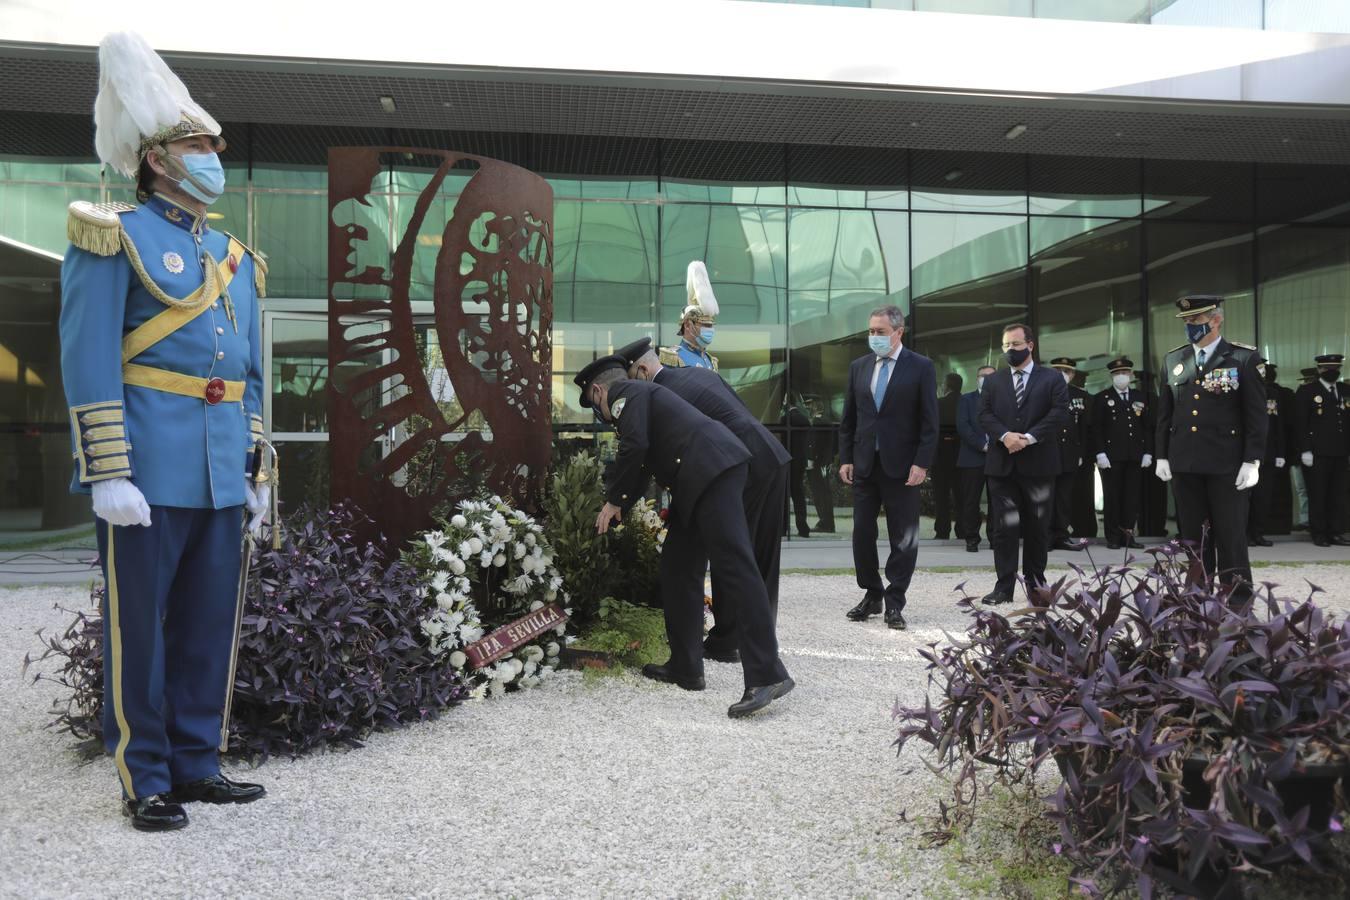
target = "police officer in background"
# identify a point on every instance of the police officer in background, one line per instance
(1273, 476)
(1323, 411)
(705, 468)
(1300, 506)
(161, 359)
(1122, 444)
(1211, 437)
(697, 323)
(766, 487)
(1073, 444)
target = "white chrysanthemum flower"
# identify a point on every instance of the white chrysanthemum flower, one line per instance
(465, 549)
(530, 539)
(440, 581)
(528, 667)
(459, 521)
(520, 550)
(499, 560)
(550, 595)
(538, 604)
(519, 585)
(485, 559)
(555, 583)
(534, 653)
(458, 659)
(537, 552)
(461, 583)
(479, 692)
(496, 688)
(561, 629)
(552, 648)
(470, 633)
(475, 545)
(445, 601)
(457, 566)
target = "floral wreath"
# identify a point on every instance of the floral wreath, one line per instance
(487, 565)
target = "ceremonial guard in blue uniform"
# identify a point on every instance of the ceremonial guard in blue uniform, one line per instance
(161, 359)
(697, 323)
(1211, 438)
(706, 468)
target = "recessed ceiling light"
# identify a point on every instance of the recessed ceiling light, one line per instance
(1015, 132)
(447, 104)
(953, 175)
(387, 103)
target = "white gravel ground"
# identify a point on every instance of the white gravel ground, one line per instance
(584, 787)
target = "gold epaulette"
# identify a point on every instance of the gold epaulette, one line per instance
(96, 227)
(669, 357)
(259, 266)
(713, 360)
(1242, 345)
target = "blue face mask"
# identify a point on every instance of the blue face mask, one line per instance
(880, 344)
(705, 336)
(1196, 331)
(205, 177)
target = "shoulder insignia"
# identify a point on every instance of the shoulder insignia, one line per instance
(616, 408)
(96, 227)
(669, 357)
(1176, 349)
(259, 266)
(1242, 345)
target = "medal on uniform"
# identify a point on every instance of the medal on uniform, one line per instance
(1110, 403)
(173, 262)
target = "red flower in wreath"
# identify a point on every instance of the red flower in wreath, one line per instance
(664, 514)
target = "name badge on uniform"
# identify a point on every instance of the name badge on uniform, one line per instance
(1178, 369)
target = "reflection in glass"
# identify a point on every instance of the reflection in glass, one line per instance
(1198, 190)
(1197, 258)
(958, 181)
(1085, 284)
(35, 214)
(299, 378)
(1084, 186)
(290, 229)
(861, 177)
(1305, 279)
(303, 467)
(842, 264)
(970, 280)
(744, 248)
(723, 172)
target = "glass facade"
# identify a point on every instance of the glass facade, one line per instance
(801, 244)
(1327, 16)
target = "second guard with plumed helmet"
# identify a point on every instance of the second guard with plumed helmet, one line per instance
(698, 322)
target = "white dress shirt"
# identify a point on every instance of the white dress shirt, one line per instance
(876, 368)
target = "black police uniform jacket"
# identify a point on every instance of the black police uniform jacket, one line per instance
(1123, 429)
(663, 437)
(1210, 422)
(709, 393)
(1322, 418)
(1074, 435)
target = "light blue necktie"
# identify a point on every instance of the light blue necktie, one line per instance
(1200, 361)
(882, 378)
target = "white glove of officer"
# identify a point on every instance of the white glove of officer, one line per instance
(119, 502)
(1279, 462)
(1102, 461)
(1248, 476)
(1307, 460)
(1146, 461)
(256, 499)
(1163, 470)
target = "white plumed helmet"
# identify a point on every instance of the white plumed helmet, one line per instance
(142, 104)
(702, 304)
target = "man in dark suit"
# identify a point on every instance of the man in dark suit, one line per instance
(1323, 413)
(704, 467)
(887, 440)
(1073, 444)
(765, 491)
(946, 498)
(970, 461)
(1122, 442)
(1022, 409)
(1211, 438)
(1274, 476)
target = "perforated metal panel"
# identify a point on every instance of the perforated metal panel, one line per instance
(437, 101)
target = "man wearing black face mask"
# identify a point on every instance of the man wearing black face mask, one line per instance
(1323, 412)
(1211, 438)
(1022, 409)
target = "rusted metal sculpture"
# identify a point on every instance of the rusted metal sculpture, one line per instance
(404, 443)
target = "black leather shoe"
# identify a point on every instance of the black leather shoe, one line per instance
(1321, 542)
(1112, 546)
(972, 546)
(155, 813)
(895, 619)
(217, 789)
(665, 674)
(870, 606)
(756, 698)
(1260, 542)
(1068, 544)
(1134, 545)
(1340, 540)
(719, 653)
(994, 598)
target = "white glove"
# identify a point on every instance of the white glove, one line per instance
(119, 502)
(1146, 461)
(1307, 459)
(1102, 461)
(1248, 476)
(256, 500)
(1163, 470)
(1080, 460)
(1279, 462)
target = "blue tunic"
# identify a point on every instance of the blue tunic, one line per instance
(181, 451)
(698, 359)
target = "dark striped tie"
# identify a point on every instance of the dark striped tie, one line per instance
(1020, 386)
